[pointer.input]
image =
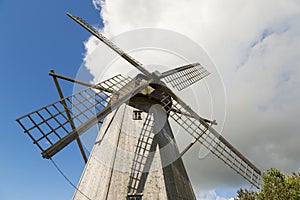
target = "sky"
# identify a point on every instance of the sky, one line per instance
(255, 46)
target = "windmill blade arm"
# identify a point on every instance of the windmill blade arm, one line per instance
(110, 44)
(212, 122)
(210, 138)
(184, 76)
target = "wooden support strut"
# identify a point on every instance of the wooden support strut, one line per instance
(99, 87)
(193, 142)
(69, 116)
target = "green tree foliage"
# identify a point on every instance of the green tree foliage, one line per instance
(293, 185)
(244, 194)
(276, 186)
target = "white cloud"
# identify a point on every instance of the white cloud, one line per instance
(256, 46)
(213, 24)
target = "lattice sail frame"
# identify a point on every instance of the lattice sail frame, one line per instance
(48, 125)
(143, 157)
(186, 75)
(202, 132)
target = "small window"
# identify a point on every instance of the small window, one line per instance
(136, 196)
(137, 115)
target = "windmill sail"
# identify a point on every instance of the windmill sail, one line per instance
(184, 76)
(116, 100)
(142, 157)
(110, 44)
(50, 125)
(198, 128)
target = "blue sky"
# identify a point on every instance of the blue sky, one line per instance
(35, 37)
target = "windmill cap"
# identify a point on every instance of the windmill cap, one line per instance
(157, 74)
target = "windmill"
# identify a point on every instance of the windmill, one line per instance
(143, 161)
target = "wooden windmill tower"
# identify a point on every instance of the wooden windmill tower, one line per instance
(135, 155)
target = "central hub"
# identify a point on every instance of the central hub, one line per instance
(150, 96)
